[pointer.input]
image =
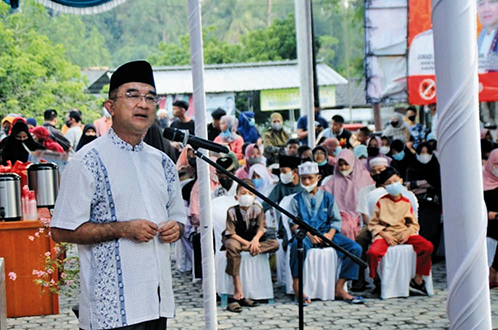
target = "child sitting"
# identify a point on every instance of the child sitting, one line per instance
(245, 229)
(394, 223)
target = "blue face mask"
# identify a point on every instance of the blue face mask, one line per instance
(322, 163)
(252, 122)
(399, 155)
(258, 183)
(226, 133)
(394, 189)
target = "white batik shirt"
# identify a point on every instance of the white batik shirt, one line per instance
(122, 282)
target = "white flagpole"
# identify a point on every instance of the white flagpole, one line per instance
(197, 61)
(465, 220)
(305, 60)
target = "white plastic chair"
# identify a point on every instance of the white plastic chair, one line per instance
(321, 267)
(491, 243)
(255, 273)
(396, 269)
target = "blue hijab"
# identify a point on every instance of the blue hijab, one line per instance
(246, 127)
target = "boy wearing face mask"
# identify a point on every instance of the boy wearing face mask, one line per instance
(245, 229)
(318, 209)
(394, 223)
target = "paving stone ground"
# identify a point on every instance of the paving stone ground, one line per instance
(396, 313)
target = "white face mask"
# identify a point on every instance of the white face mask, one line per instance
(287, 177)
(384, 150)
(311, 187)
(246, 200)
(277, 126)
(346, 172)
(424, 158)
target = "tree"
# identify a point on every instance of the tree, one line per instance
(34, 72)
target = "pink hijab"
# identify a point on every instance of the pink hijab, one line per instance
(345, 191)
(490, 180)
(243, 172)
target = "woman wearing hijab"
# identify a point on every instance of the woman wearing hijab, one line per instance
(252, 157)
(333, 148)
(17, 144)
(360, 151)
(490, 182)
(402, 158)
(41, 135)
(320, 156)
(154, 137)
(228, 135)
(247, 128)
(349, 177)
(263, 180)
(373, 150)
(424, 179)
(398, 129)
(89, 134)
(276, 136)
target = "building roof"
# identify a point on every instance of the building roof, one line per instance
(239, 77)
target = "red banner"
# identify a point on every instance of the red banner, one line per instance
(421, 73)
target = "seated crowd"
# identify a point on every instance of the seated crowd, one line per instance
(363, 191)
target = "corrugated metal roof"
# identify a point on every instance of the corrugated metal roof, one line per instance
(239, 77)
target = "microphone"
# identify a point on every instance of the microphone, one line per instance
(174, 134)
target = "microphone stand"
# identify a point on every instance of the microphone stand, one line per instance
(304, 228)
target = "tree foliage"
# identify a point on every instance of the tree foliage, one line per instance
(34, 72)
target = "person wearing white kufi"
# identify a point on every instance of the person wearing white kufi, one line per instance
(318, 209)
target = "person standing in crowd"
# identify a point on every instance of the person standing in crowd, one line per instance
(50, 117)
(319, 209)
(226, 186)
(104, 123)
(291, 147)
(252, 156)
(276, 136)
(74, 132)
(229, 136)
(349, 177)
(394, 223)
(398, 129)
(89, 134)
(162, 118)
(490, 181)
(16, 145)
(247, 128)
(245, 229)
(214, 128)
(31, 123)
(302, 125)
(416, 129)
(123, 234)
(424, 179)
(42, 136)
(336, 130)
(182, 121)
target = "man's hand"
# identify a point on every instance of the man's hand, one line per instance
(255, 247)
(329, 235)
(405, 236)
(170, 231)
(389, 239)
(314, 239)
(140, 231)
(177, 145)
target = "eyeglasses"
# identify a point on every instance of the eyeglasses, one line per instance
(150, 99)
